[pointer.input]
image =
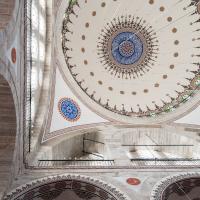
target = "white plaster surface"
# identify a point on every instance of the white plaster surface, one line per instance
(191, 118)
(58, 122)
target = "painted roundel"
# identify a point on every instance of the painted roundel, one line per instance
(133, 181)
(69, 109)
(132, 60)
(13, 55)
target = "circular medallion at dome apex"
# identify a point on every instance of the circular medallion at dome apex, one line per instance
(149, 74)
(127, 47)
(69, 109)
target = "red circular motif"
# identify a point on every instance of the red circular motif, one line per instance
(13, 55)
(133, 181)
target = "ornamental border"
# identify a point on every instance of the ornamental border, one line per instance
(160, 187)
(64, 177)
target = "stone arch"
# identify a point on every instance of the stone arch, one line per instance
(10, 20)
(181, 186)
(8, 124)
(6, 12)
(75, 186)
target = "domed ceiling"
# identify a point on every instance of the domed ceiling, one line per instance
(132, 59)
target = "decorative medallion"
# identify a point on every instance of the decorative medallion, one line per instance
(13, 55)
(127, 47)
(69, 109)
(66, 187)
(183, 186)
(130, 63)
(133, 181)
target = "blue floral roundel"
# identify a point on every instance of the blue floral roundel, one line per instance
(69, 109)
(127, 48)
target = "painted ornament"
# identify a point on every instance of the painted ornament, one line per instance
(69, 109)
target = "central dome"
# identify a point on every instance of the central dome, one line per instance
(131, 60)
